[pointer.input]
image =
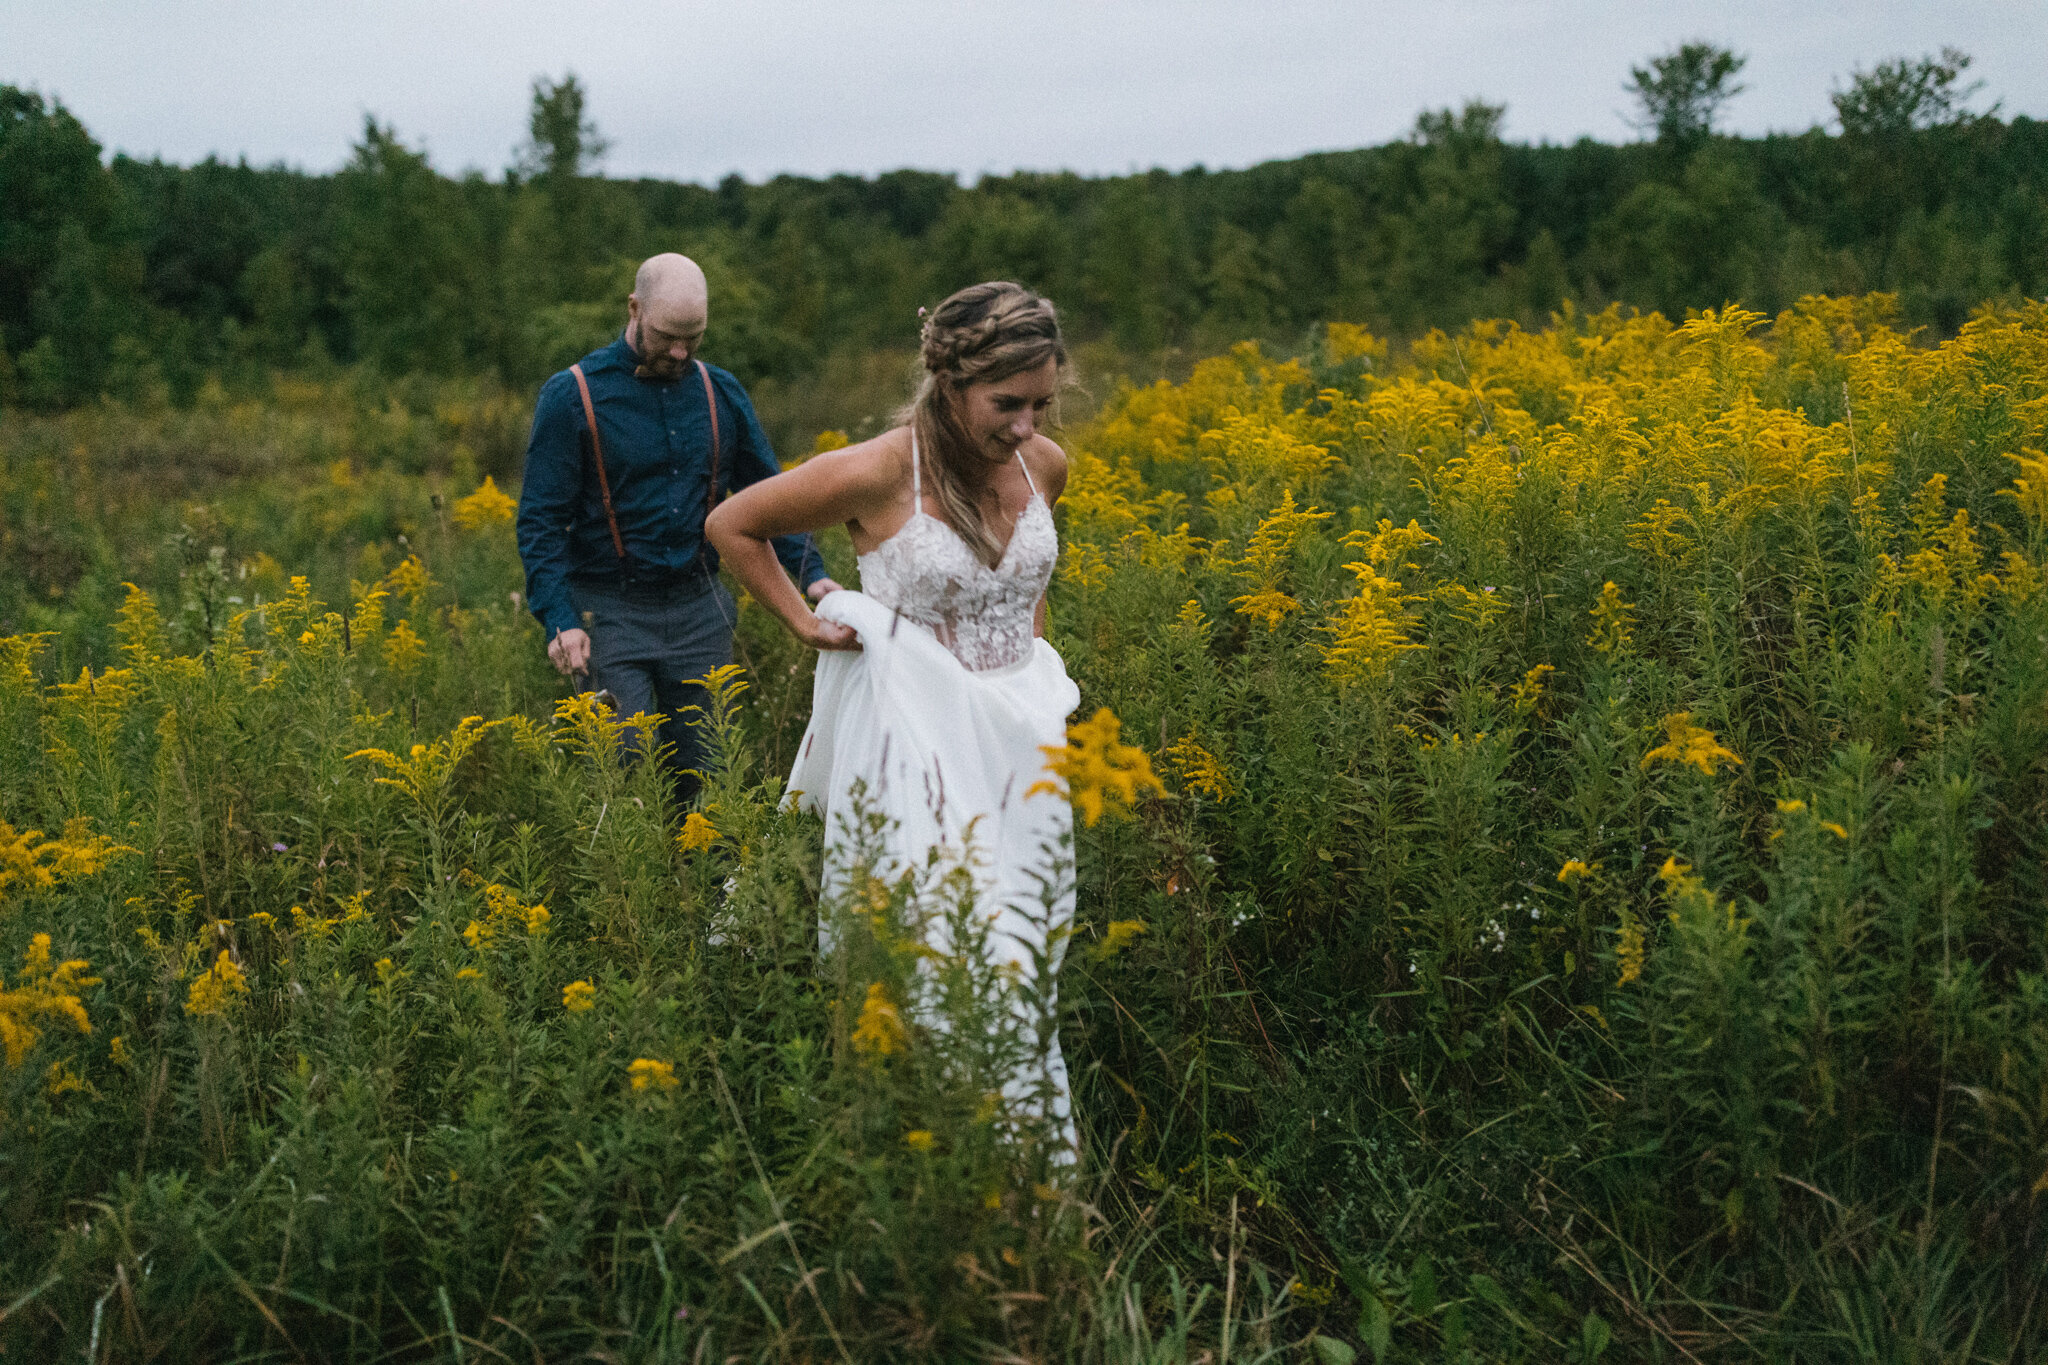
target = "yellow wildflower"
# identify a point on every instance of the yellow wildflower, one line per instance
(1118, 936)
(29, 862)
(1387, 544)
(698, 833)
(919, 1140)
(1613, 630)
(1834, 829)
(403, 649)
(1269, 606)
(1791, 807)
(428, 769)
(830, 440)
(1348, 341)
(141, 627)
(879, 1031)
(1200, 771)
(1095, 767)
(43, 991)
(469, 974)
(485, 507)
(508, 909)
(62, 1080)
(1629, 951)
(313, 926)
(1688, 743)
(409, 580)
(648, 1074)
(368, 621)
(2030, 486)
(217, 989)
(1528, 693)
(117, 1050)
(1576, 868)
(1265, 560)
(579, 996)
(1370, 629)
(506, 912)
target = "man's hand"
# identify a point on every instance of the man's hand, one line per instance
(569, 651)
(816, 592)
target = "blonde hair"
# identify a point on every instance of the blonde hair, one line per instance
(983, 334)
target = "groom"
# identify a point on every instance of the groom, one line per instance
(630, 449)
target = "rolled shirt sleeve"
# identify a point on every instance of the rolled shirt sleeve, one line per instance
(549, 492)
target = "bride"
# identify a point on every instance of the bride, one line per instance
(938, 694)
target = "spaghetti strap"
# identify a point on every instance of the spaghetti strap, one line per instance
(1029, 482)
(916, 485)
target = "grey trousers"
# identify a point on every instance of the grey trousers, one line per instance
(647, 648)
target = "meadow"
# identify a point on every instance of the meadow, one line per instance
(1591, 905)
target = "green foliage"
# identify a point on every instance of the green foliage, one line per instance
(1899, 96)
(1597, 913)
(1682, 91)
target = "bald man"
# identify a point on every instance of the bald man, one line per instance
(631, 447)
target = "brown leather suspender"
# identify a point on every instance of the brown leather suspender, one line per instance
(604, 485)
(710, 406)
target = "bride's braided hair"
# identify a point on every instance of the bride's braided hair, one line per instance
(983, 334)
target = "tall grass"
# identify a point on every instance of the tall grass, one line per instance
(1598, 910)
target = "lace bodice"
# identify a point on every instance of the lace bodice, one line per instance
(926, 573)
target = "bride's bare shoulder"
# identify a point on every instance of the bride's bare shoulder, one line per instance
(1048, 465)
(877, 467)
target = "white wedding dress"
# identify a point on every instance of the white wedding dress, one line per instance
(942, 717)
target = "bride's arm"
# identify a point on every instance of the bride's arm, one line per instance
(822, 491)
(1049, 467)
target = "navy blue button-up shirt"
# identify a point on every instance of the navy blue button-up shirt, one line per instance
(656, 439)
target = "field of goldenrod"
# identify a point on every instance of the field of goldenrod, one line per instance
(1596, 906)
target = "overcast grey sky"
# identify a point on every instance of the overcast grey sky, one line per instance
(692, 90)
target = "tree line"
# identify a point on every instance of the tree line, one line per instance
(141, 279)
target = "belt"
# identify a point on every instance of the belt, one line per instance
(668, 584)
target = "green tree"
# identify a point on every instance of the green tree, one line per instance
(548, 249)
(996, 235)
(67, 285)
(409, 258)
(1682, 91)
(1451, 230)
(1897, 97)
(1696, 243)
(1320, 250)
(1242, 286)
(1139, 267)
(564, 143)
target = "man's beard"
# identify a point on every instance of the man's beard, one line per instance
(665, 368)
